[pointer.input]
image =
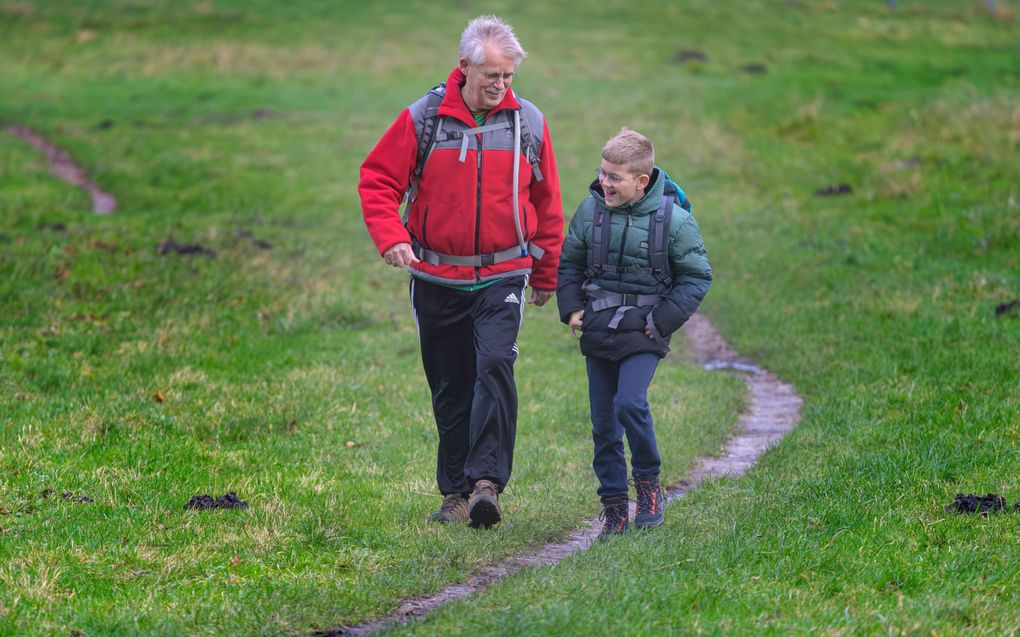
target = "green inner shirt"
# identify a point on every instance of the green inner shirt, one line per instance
(479, 121)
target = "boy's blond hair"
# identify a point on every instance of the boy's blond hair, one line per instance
(631, 149)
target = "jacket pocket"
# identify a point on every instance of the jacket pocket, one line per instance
(424, 223)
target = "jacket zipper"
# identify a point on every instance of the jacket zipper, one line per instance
(623, 239)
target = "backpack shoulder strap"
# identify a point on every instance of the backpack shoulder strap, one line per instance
(658, 240)
(532, 131)
(427, 127)
(598, 244)
(430, 126)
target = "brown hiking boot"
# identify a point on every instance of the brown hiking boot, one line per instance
(651, 499)
(483, 505)
(614, 518)
(453, 509)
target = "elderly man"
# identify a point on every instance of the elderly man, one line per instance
(483, 220)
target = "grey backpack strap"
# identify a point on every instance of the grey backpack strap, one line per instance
(658, 241)
(531, 144)
(428, 132)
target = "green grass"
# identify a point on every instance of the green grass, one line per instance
(214, 126)
(233, 122)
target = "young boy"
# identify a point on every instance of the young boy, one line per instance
(627, 281)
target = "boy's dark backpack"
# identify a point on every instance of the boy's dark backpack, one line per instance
(658, 237)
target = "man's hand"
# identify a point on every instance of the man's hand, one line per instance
(539, 297)
(575, 322)
(400, 255)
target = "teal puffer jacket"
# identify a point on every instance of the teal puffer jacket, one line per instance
(630, 225)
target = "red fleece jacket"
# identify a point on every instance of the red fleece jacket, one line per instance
(464, 208)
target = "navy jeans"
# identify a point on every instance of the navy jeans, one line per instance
(618, 392)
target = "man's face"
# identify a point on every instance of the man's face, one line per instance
(487, 82)
(620, 185)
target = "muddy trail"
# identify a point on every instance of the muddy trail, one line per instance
(64, 167)
(773, 410)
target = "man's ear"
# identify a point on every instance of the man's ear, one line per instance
(642, 181)
(463, 66)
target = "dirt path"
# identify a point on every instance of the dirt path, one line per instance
(773, 410)
(64, 167)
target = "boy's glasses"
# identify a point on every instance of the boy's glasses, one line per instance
(612, 178)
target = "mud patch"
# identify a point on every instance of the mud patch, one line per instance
(1011, 307)
(689, 55)
(830, 191)
(64, 167)
(984, 504)
(206, 501)
(170, 245)
(261, 244)
(754, 69)
(773, 411)
(45, 494)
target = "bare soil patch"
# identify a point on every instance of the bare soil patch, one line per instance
(65, 168)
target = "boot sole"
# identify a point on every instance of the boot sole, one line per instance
(651, 524)
(484, 514)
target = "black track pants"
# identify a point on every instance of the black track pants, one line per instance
(468, 348)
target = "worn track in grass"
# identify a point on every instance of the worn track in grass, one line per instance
(773, 410)
(64, 167)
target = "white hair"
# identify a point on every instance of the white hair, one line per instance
(488, 29)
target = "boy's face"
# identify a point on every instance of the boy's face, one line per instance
(620, 185)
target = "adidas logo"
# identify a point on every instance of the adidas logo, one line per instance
(511, 298)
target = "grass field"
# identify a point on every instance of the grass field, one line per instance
(139, 379)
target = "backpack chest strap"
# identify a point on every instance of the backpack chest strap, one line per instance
(602, 299)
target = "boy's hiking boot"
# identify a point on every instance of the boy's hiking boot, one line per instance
(614, 519)
(483, 505)
(453, 509)
(651, 498)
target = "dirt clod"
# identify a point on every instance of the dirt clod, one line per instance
(829, 191)
(971, 503)
(79, 499)
(170, 245)
(206, 501)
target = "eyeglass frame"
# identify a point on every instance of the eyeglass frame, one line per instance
(612, 178)
(493, 77)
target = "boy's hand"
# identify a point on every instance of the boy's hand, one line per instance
(575, 322)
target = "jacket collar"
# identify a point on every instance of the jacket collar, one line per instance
(453, 102)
